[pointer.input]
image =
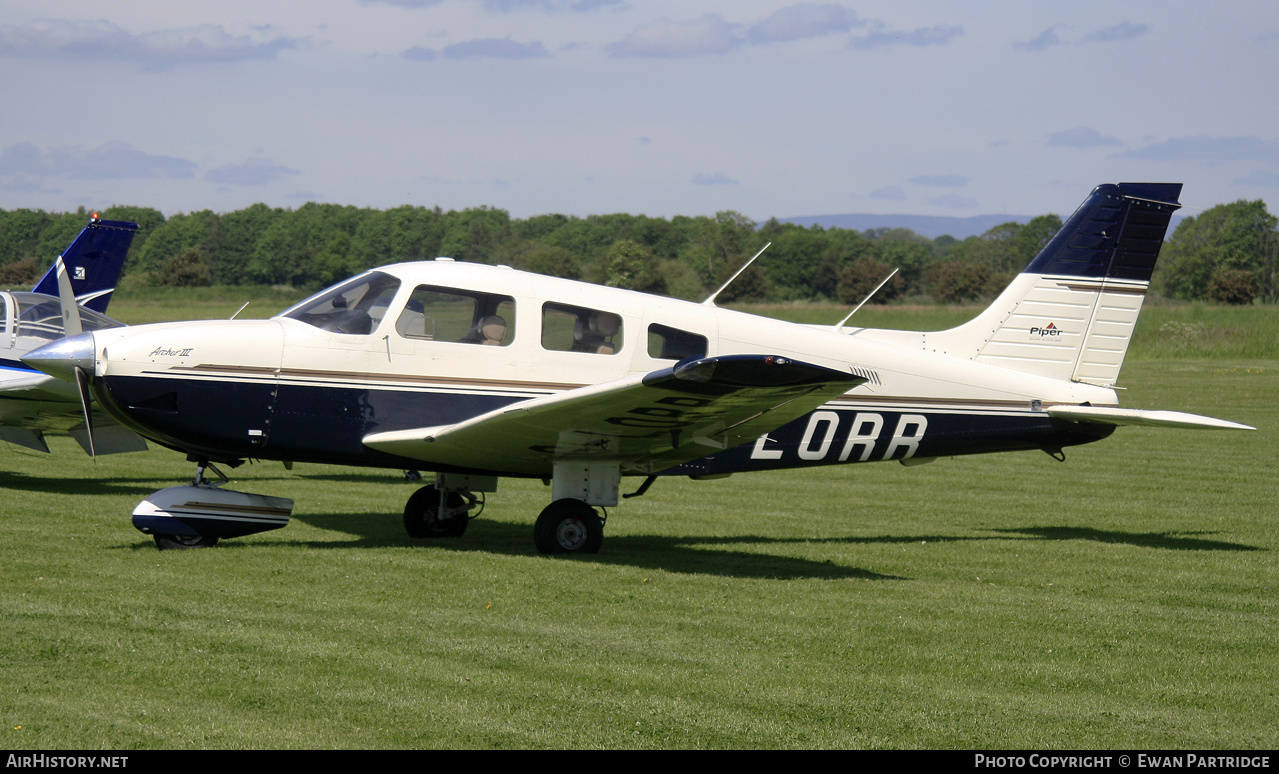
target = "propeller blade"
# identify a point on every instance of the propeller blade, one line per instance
(66, 297)
(82, 385)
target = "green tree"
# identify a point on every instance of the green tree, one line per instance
(21, 274)
(308, 247)
(20, 234)
(148, 219)
(178, 234)
(862, 276)
(401, 234)
(956, 281)
(1236, 236)
(230, 240)
(630, 265)
(1233, 286)
(473, 234)
(184, 270)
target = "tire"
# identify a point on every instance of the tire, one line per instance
(568, 527)
(421, 515)
(183, 542)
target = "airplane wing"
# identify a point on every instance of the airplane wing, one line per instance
(1121, 416)
(647, 423)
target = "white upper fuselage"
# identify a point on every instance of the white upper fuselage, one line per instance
(524, 364)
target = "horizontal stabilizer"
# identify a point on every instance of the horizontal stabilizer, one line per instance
(1122, 416)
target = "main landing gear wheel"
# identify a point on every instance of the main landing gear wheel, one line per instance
(568, 526)
(422, 514)
(183, 542)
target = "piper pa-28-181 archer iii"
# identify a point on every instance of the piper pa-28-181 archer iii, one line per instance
(33, 403)
(477, 372)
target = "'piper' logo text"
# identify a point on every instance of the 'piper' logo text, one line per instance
(1048, 330)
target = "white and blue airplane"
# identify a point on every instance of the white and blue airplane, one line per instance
(480, 372)
(31, 402)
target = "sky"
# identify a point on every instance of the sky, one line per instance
(655, 107)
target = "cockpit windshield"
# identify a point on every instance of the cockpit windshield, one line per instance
(39, 317)
(355, 306)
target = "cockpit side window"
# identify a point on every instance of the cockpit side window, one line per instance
(463, 316)
(567, 328)
(666, 343)
(353, 307)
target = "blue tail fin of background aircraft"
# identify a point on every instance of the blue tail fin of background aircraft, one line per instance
(1115, 234)
(94, 261)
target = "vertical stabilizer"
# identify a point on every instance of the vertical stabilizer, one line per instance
(94, 261)
(1071, 313)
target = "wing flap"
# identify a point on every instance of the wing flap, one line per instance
(646, 422)
(1121, 416)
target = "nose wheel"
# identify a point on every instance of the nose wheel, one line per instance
(568, 526)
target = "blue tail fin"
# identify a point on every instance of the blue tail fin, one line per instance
(94, 261)
(1071, 313)
(1115, 234)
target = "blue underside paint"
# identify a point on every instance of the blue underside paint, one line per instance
(224, 421)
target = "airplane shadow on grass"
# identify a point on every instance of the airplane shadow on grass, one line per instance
(672, 554)
(1178, 541)
(142, 487)
(713, 555)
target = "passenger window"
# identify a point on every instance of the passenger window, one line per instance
(447, 314)
(665, 343)
(568, 328)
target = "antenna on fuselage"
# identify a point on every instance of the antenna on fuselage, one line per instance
(868, 297)
(711, 301)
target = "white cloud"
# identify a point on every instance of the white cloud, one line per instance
(160, 50)
(805, 20)
(1123, 31)
(664, 38)
(888, 192)
(714, 178)
(1046, 39)
(1082, 137)
(1209, 149)
(492, 48)
(254, 171)
(109, 161)
(955, 201)
(941, 181)
(882, 36)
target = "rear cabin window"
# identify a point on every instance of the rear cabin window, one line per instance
(567, 328)
(462, 316)
(666, 343)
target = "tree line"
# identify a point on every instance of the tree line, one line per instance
(1227, 253)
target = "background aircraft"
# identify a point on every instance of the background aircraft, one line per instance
(478, 372)
(33, 403)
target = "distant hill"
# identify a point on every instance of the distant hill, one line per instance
(924, 225)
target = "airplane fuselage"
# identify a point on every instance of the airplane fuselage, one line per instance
(304, 386)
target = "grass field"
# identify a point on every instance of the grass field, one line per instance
(1126, 598)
